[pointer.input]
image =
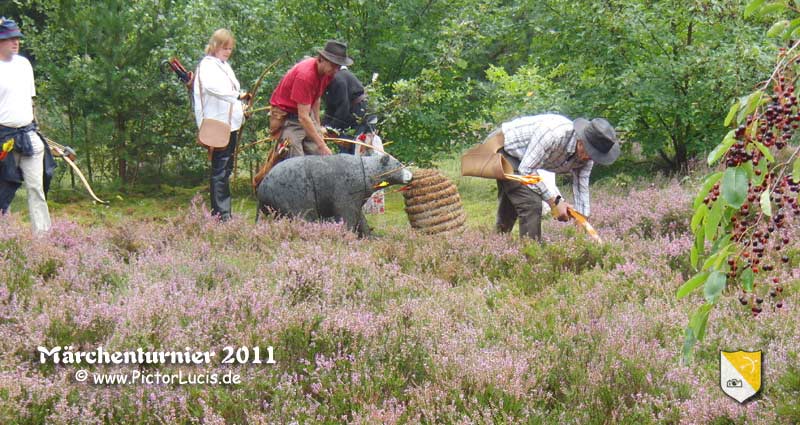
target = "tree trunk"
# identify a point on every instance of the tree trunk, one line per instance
(122, 168)
(122, 162)
(681, 158)
(88, 150)
(71, 121)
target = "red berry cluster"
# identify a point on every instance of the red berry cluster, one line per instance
(761, 238)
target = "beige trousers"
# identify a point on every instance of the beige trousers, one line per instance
(33, 175)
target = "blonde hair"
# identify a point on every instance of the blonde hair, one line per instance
(221, 38)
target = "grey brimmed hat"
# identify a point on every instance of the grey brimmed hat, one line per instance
(336, 52)
(9, 29)
(601, 139)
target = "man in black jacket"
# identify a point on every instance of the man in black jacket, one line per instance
(345, 103)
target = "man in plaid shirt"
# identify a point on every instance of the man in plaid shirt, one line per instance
(554, 143)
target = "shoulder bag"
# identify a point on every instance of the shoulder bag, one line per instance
(213, 134)
(485, 161)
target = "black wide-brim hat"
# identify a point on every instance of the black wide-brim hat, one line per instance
(9, 29)
(336, 52)
(600, 139)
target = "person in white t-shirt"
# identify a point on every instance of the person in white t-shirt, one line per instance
(217, 95)
(23, 150)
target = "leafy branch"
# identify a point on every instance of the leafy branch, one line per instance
(744, 243)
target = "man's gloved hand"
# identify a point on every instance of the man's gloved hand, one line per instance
(245, 96)
(559, 211)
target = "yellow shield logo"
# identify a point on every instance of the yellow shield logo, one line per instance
(740, 373)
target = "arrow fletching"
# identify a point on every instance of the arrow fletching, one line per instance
(581, 220)
(529, 179)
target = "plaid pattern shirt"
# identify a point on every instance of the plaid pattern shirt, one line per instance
(548, 142)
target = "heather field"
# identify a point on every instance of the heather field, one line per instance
(399, 328)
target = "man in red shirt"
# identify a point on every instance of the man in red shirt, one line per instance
(294, 114)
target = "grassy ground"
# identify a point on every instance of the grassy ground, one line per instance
(402, 328)
(159, 202)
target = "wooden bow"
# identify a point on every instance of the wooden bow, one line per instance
(249, 111)
(61, 151)
(256, 86)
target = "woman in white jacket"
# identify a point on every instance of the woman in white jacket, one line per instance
(217, 95)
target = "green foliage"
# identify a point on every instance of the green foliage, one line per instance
(104, 93)
(741, 211)
(791, 381)
(573, 257)
(15, 275)
(65, 332)
(692, 284)
(425, 114)
(450, 72)
(734, 187)
(659, 70)
(525, 92)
